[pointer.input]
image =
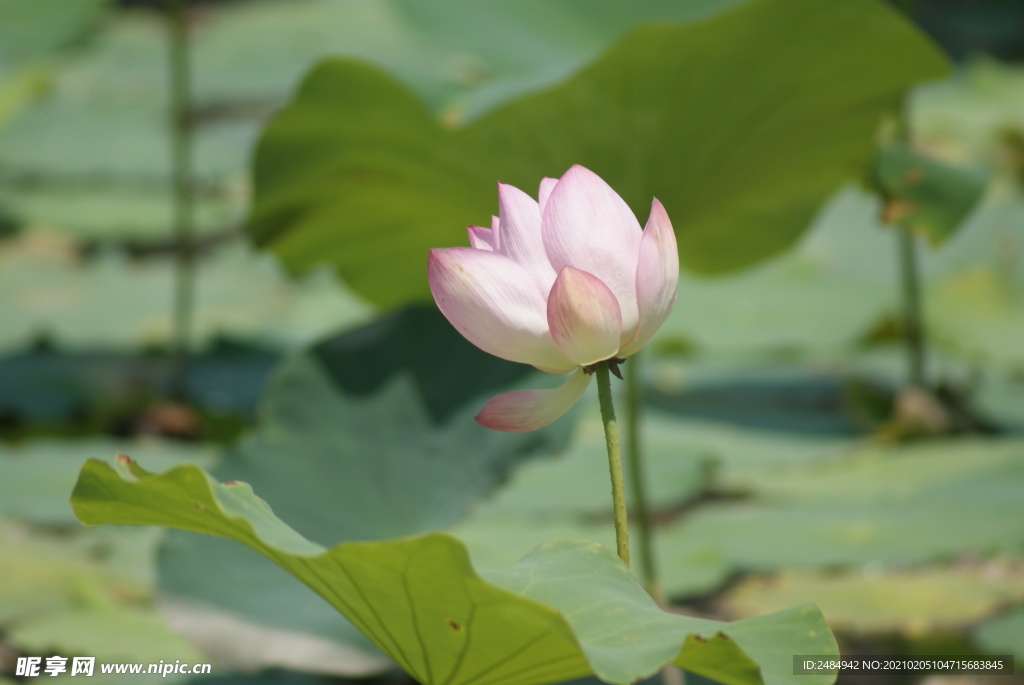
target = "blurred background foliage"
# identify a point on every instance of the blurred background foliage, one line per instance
(790, 460)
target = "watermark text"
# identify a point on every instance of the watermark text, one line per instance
(32, 666)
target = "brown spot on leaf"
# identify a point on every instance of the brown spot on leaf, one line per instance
(454, 625)
(894, 210)
(914, 175)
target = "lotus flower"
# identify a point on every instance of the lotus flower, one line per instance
(561, 284)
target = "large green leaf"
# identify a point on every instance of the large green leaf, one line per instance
(740, 143)
(567, 610)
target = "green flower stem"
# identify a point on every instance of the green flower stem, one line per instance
(611, 435)
(638, 486)
(184, 205)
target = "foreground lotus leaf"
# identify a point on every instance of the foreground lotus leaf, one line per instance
(567, 610)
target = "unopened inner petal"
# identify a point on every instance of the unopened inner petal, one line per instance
(584, 317)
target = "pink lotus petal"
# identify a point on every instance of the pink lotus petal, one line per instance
(546, 186)
(584, 317)
(486, 238)
(657, 277)
(520, 235)
(482, 238)
(526, 410)
(495, 232)
(588, 226)
(495, 305)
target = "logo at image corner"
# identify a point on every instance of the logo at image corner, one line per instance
(31, 666)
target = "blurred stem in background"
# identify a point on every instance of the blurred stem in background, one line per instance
(910, 274)
(913, 317)
(648, 571)
(184, 206)
(638, 487)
